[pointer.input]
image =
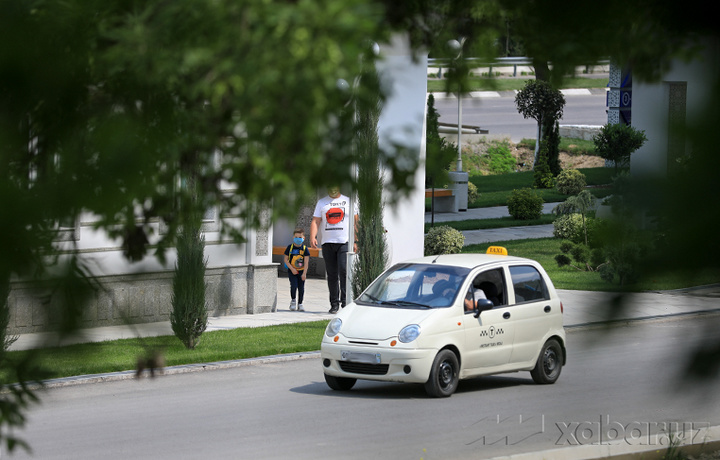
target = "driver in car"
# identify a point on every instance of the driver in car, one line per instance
(473, 295)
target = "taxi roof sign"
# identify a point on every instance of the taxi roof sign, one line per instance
(497, 250)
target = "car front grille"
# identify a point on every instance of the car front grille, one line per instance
(363, 368)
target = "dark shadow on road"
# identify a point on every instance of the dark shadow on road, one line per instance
(397, 391)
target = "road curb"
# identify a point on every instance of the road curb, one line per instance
(175, 370)
(200, 367)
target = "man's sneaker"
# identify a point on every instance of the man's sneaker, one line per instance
(333, 309)
(300, 307)
(292, 305)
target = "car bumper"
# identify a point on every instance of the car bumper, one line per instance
(388, 364)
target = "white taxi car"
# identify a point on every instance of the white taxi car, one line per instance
(439, 319)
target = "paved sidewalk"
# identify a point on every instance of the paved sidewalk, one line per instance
(582, 308)
(497, 234)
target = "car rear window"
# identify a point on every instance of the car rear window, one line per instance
(528, 284)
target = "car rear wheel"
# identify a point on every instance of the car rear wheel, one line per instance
(339, 383)
(549, 363)
(444, 375)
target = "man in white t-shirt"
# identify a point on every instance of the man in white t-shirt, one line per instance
(331, 220)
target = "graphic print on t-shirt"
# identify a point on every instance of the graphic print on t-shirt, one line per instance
(335, 215)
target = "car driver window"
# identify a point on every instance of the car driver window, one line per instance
(490, 285)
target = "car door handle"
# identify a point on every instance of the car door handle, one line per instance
(506, 315)
(547, 308)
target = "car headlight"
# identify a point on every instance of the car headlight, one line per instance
(409, 333)
(333, 327)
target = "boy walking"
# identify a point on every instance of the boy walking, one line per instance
(297, 257)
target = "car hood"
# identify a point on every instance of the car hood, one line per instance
(379, 323)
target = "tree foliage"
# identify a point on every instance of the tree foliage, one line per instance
(540, 101)
(616, 142)
(439, 153)
(371, 259)
(103, 102)
(582, 203)
(189, 316)
(103, 99)
(543, 103)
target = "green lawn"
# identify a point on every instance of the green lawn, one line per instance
(544, 251)
(494, 190)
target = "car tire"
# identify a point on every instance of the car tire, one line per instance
(444, 375)
(549, 363)
(339, 383)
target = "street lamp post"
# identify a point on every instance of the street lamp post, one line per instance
(458, 178)
(457, 45)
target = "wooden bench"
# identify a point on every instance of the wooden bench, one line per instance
(444, 199)
(280, 250)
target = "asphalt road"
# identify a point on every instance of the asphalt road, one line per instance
(629, 381)
(500, 116)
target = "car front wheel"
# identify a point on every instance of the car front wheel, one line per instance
(339, 383)
(444, 375)
(549, 363)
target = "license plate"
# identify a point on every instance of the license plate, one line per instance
(367, 358)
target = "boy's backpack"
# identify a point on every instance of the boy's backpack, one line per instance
(296, 257)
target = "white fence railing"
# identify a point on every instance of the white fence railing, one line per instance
(507, 62)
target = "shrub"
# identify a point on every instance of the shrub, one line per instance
(473, 194)
(542, 175)
(580, 256)
(581, 203)
(189, 317)
(625, 248)
(570, 182)
(623, 263)
(616, 142)
(443, 240)
(524, 204)
(569, 227)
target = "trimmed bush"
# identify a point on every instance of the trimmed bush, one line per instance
(473, 194)
(524, 204)
(569, 227)
(570, 182)
(443, 240)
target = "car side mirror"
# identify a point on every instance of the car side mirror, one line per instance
(483, 305)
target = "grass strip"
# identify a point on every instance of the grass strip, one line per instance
(122, 355)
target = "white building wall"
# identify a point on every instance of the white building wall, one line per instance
(402, 121)
(653, 103)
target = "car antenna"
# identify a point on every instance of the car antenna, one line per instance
(436, 258)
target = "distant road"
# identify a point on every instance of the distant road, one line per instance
(500, 116)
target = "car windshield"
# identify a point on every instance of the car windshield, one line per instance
(415, 286)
